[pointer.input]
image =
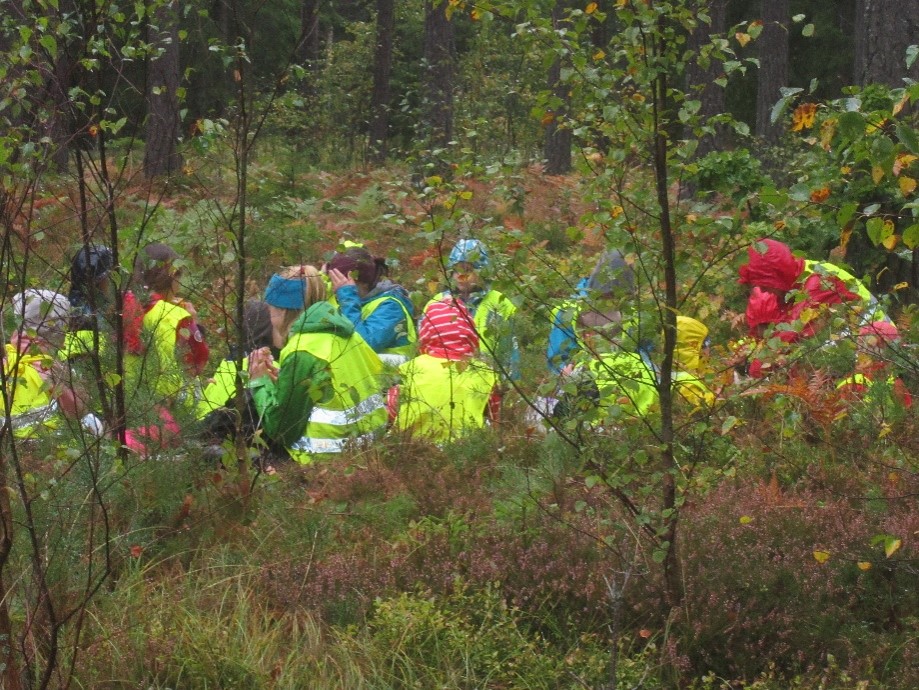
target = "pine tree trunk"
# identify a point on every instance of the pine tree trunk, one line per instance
(883, 31)
(558, 134)
(382, 70)
(700, 79)
(161, 156)
(439, 73)
(773, 66)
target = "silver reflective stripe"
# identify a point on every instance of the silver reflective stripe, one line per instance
(329, 445)
(392, 360)
(322, 415)
(35, 416)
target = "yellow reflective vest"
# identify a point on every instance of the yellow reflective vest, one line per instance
(490, 318)
(160, 325)
(220, 389)
(441, 399)
(353, 408)
(624, 381)
(27, 394)
(407, 350)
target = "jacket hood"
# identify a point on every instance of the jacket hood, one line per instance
(771, 265)
(387, 287)
(322, 317)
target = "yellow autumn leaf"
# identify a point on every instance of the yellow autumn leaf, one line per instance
(742, 38)
(899, 105)
(890, 242)
(622, 3)
(616, 211)
(864, 565)
(900, 286)
(902, 162)
(803, 117)
(877, 174)
(591, 8)
(872, 128)
(476, 14)
(907, 185)
(821, 556)
(808, 315)
(599, 55)
(845, 236)
(745, 519)
(691, 218)
(891, 546)
(845, 170)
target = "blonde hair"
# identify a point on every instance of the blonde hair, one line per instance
(314, 289)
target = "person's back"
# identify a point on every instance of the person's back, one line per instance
(348, 404)
(444, 392)
(691, 344)
(173, 343)
(34, 395)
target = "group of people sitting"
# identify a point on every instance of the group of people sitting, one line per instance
(333, 356)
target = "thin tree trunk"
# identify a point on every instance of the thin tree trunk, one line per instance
(773, 67)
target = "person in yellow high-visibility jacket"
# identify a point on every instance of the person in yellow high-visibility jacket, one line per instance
(493, 313)
(691, 344)
(323, 394)
(444, 392)
(220, 388)
(36, 391)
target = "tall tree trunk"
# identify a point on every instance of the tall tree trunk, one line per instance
(382, 70)
(773, 66)
(883, 31)
(557, 147)
(161, 156)
(60, 125)
(308, 50)
(439, 73)
(700, 78)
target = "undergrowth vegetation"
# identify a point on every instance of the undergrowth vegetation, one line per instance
(769, 540)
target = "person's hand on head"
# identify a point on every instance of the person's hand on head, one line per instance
(339, 279)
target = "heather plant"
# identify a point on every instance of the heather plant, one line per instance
(788, 576)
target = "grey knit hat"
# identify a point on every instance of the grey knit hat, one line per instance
(611, 275)
(43, 312)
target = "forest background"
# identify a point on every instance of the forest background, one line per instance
(768, 543)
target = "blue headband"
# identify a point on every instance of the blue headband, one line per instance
(285, 293)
